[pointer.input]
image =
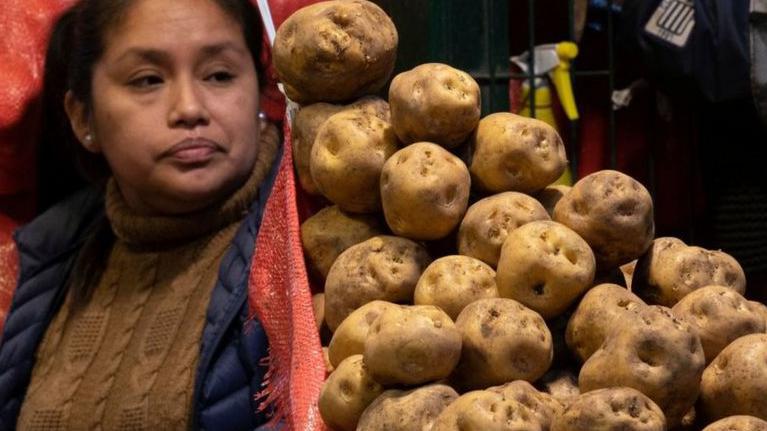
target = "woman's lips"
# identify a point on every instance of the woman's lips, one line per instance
(192, 151)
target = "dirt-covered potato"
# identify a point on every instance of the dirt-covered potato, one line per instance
(307, 123)
(670, 269)
(335, 51)
(329, 232)
(349, 337)
(515, 153)
(542, 405)
(503, 341)
(738, 423)
(735, 383)
(488, 222)
(383, 267)
(720, 316)
(654, 352)
(552, 194)
(412, 345)
(486, 411)
(561, 384)
(415, 409)
(347, 393)
(436, 103)
(601, 307)
(613, 213)
(352, 144)
(453, 282)
(612, 409)
(425, 191)
(545, 266)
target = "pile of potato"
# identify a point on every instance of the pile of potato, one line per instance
(463, 291)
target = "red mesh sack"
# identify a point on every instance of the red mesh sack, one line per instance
(9, 266)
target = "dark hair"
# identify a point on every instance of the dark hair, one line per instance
(77, 43)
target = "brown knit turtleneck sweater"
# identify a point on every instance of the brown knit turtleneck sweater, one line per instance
(126, 360)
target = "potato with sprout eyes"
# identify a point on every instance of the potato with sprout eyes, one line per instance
(425, 191)
(406, 410)
(515, 153)
(486, 411)
(347, 393)
(738, 423)
(436, 103)
(545, 266)
(383, 267)
(612, 409)
(488, 222)
(541, 405)
(349, 337)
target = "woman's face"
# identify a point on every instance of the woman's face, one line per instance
(175, 106)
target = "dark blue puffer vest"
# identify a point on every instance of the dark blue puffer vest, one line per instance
(228, 372)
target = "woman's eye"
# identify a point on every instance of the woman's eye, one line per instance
(220, 77)
(146, 81)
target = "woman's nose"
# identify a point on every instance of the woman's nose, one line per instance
(187, 106)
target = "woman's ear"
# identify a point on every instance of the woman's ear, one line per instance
(80, 122)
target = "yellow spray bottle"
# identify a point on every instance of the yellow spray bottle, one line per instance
(552, 60)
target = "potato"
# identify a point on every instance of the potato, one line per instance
(612, 409)
(347, 393)
(515, 153)
(415, 409)
(543, 406)
(335, 51)
(436, 103)
(412, 345)
(735, 383)
(562, 385)
(486, 411)
(318, 306)
(349, 337)
(326, 356)
(653, 352)
(307, 123)
(759, 308)
(425, 191)
(720, 315)
(488, 222)
(599, 310)
(627, 270)
(453, 282)
(549, 196)
(329, 232)
(670, 270)
(613, 213)
(545, 266)
(738, 423)
(383, 267)
(503, 341)
(352, 144)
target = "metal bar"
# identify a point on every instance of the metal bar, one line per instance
(574, 144)
(531, 57)
(611, 68)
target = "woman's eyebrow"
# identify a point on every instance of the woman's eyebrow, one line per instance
(161, 57)
(218, 48)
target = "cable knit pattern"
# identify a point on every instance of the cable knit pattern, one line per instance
(126, 359)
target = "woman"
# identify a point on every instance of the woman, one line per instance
(131, 310)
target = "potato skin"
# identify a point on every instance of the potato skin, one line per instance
(329, 232)
(549, 196)
(738, 423)
(601, 307)
(543, 406)
(347, 393)
(670, 270)
(425, 191)
(352, 144)
(436, 103)
(613, 213)
(736, 381)
(307, 123)
(412, 345)
(453, 282)
(488, 222)
(720, 315)
(611, 409)
(349, 337)
(335, 51)
(653, 352)
(545, 266)
(415, 409)
(503, 341)
(515, 153)
(383, 267)
(486, 411)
